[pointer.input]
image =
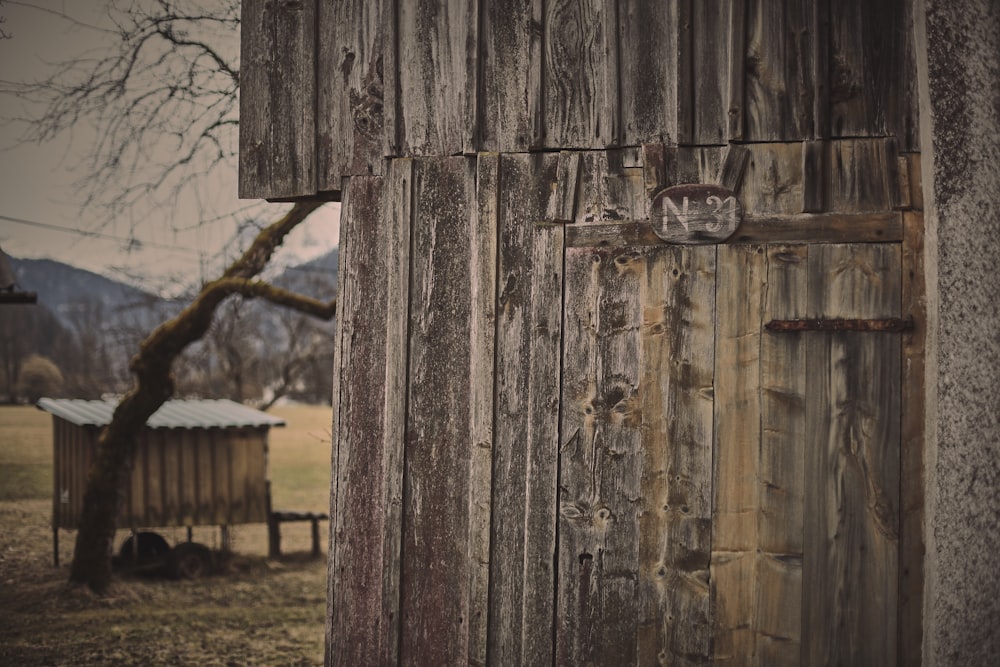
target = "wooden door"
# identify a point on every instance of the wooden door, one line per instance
(729, 493)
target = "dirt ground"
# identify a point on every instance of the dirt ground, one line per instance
(254, 611)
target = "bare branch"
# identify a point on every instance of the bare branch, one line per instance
(324, 310)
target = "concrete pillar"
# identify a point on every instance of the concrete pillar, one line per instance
(960, 126)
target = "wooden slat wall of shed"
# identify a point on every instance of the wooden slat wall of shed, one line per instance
(514, 191)
(278, 99)
(448, 242)
(850, 559)
(74, 448)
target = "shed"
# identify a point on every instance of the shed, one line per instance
(593, 442)
(197, 463)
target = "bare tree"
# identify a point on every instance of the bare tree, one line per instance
(161, 102)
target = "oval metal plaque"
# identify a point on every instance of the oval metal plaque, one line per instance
(695, 214)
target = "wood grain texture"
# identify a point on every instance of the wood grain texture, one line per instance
(397, 202)
(773, 180)
(599, 461)
(741, 290)
(871, 71)
(860, 175)
(350, 90)
(683, 322)
(277, 100)
(356, 624)
(779, 86)
(522, 572)
(912, 475)
(850, 544)
(648, 40)
(579, 40)
(507, 60)
(781, 492)
(436, 77)
(803, 228)
(635, 463)
(436, 566)
(709, 59)
(561, 206)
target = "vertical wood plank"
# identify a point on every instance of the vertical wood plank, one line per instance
(277, 99)
(358, 511)
(710, 23)
(204, 510)
(912, 546)
(398, 198)
(526, 437)
(435, 566)
(220, 476)
(779, 85)
(187, 468)
(814, 176)
(600, 459)
(577, 38)
(738, 70)
(741, 292)
(688, 312)
(778, 577)
(860, 175)
(561, 206)
(637, 424)
(505, 112)
(171, 462)
(436, 76)
(350, 118)
(850, 559)
(648, 40)
(773, 180)
(256, 476)
(870, 73)
(239, 463)
(821, 69)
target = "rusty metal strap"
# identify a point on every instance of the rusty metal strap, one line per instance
(888, 325)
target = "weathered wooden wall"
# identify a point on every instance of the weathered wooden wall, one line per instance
(568, 441)
(331, 88)
(559, 440)
(180, 477)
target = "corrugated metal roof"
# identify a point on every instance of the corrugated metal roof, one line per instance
(218, 413)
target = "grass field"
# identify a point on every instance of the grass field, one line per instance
(257, 612)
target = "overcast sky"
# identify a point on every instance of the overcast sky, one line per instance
(175, 248)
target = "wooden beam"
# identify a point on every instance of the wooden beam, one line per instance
(797, 228)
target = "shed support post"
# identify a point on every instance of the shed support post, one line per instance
(55, 545)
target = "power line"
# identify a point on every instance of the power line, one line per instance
(100, 235)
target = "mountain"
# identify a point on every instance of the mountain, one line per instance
(91, 325)
(77, 296)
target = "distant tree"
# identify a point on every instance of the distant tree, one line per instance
(39, 377)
